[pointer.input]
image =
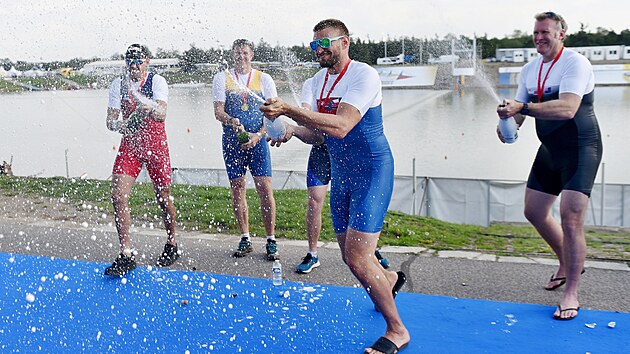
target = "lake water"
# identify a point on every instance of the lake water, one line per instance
(449, 133)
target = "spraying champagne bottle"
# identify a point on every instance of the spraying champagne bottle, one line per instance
(509, 129)
(275, 128)
(134, 121)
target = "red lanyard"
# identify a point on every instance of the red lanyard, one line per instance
(249, 76)
(540, 89)
(131, 100)
(322, 103)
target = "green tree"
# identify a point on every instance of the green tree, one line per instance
(264, 52)
(166, 54)
(191, 57)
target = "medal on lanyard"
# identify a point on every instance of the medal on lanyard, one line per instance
(321, 105)
(245, 106)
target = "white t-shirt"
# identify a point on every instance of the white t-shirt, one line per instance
(159, 87)
(306, 96)
(572, 73)
(218, 85)
(359, 87)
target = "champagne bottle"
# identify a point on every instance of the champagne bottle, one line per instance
(134, 121)
(275, 128)
(508, 129)
(242, 137)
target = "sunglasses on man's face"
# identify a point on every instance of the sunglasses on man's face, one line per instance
(136, 62)
(323, 42)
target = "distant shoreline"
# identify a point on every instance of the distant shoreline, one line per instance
(203, 79)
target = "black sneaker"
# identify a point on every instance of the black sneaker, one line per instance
(168, 256)
(244, 247)
(121, 266)
(272, 250)
(308, 263)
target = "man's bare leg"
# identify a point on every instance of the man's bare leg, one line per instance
(538, 211)
(358, 252)
(573, 207)
(239, 203)
(169, 214)
(121, 190)
(267, 203)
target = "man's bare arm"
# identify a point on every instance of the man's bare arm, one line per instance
(335, 125)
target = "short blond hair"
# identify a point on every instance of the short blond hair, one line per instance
(562, 24)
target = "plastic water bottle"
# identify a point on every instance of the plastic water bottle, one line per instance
(275, 128)
(508, 129)
(277, 272)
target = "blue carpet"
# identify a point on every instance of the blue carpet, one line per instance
(65, 306)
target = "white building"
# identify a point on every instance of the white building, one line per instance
(582, 50)
(594, 53)
(510, 55)
(613, 52)
(531, 54)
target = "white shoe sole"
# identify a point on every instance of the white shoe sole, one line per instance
(309, 270)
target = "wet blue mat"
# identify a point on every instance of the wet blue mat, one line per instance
(59, 305)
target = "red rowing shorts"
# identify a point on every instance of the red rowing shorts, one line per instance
(144, 149)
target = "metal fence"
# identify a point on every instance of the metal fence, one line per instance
(462, 201)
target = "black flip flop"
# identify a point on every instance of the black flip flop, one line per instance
(386, 346)
(402, 279)
(562, 281)
(559, 318)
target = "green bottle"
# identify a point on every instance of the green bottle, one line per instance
(133, 122)
(243, 137)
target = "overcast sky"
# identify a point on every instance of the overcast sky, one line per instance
(46, 30)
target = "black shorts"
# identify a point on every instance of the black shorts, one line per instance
(557, 169)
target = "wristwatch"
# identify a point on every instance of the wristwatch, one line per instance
(525, 110)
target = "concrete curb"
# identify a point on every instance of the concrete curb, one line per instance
(196, 235)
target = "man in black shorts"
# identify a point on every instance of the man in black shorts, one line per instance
(557, 89)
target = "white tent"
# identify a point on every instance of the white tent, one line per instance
(13, 72)
(34, 72)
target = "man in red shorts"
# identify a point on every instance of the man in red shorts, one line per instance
(141, 98)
